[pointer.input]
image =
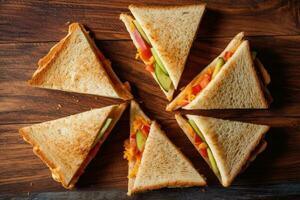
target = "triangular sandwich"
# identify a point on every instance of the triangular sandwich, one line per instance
(227, 146)
(68, 144)
(236, 79)
(163, 36)
(154, 161)
(75, 64)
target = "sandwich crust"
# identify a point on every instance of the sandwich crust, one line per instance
(232, 143)
(241, 82)
(236, 85)
(64, 144)
(171, 31)
(74, 64)
(163, 165)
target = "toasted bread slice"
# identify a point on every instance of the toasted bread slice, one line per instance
(233, 144)
(163, 165)
(171, 31)
(75, 64)
(127, 20)
(236, 86)
(68, 144)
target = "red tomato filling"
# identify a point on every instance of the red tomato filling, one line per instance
(132, 151)
(201, 146)
(144, 49)
(227, 55)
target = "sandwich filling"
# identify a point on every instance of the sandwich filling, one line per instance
(147, 53)
(135, 145)
(202, 146)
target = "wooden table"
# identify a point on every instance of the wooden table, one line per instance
(28, 29)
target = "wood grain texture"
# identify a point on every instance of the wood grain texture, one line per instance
(23, 21)
(28, 29)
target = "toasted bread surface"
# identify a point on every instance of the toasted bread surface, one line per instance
(236, 85)
(63, 144)
(232, 143)
(115, 115)
(163, 165)
(232, 46)
(171, 31)
(74, 64)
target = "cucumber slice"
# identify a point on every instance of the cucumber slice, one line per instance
(212, 161)
(140, 29)
(195, 127)
(102, 130)
(163, 79)
(140, 140)
(158, 61)
(220, 63)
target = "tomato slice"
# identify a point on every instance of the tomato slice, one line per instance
(196, 89)
(227, 55)
(203, 153)
(206, 79)
(150, 68)
(197, 139)
(146, 54)
(138, 155)
(145, 129)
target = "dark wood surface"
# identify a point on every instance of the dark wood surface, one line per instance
(28, 29)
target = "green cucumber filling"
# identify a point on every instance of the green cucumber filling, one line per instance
(163, 79)
(140, 140)
(102, 130)
(140, 30)
(196, 129)
(161, 73)
(158, 61)
(220, 63)
(211, 158)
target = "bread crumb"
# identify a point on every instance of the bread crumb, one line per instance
(77, 100)
(28, 193)
(31, 184)
(58, 107)
(67, 23)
